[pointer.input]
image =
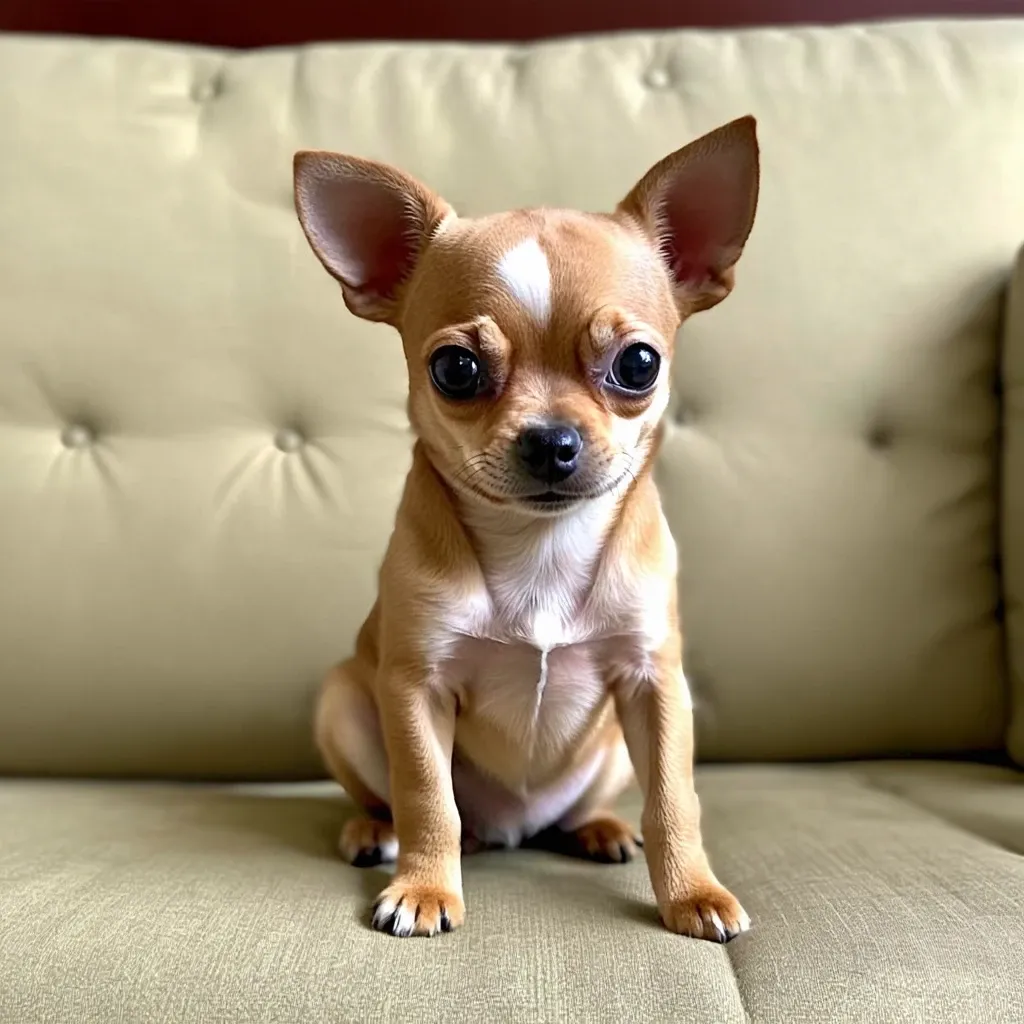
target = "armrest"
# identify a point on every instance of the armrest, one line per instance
(1013, 502)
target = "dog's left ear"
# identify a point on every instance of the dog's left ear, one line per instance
(368, 223)
(697, 206)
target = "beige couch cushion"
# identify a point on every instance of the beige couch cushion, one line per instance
(983, 799)
(1013, 502)
(121, 902)
(200, 450)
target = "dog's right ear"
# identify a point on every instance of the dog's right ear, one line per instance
(368, 223)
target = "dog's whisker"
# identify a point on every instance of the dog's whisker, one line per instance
(472, 468)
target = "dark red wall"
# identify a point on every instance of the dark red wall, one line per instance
(261, 22)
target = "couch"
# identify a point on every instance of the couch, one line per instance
(201, 453)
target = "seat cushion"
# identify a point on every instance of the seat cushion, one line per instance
(985, 800)
(873, 900)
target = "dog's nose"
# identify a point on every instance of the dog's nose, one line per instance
(550, 453)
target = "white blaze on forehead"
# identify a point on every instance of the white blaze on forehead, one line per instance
(524, 271)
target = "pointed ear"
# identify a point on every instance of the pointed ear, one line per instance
(697, 205)
(367, 223)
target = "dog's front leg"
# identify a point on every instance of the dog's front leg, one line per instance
(419, 729)
(657, 719)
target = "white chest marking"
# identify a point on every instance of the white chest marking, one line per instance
(542, 682)
(547, 630)
(524, 271)
(538, 576)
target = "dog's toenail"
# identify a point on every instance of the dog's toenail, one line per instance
(446, 921)
(367, 858)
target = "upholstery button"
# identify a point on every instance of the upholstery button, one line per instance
(75, 435)
(208, 89)
(657, 78)
(686, 412)
(880, 436)
(288, 440)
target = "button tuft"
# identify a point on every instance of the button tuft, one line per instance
(288, 439)
(76, 435)
(208, 89)
(880, 436)
(686, 413)
(657, 78)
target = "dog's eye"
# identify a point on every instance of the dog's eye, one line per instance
(635, 368)
(456, 372)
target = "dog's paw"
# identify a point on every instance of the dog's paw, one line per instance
(712, 913)
(367, 842)
(607, 839)
(409, 908)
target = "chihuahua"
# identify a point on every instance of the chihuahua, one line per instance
(523, 661)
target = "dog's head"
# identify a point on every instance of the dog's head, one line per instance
(538, 342)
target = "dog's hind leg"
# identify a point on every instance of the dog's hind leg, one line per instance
(349, 737)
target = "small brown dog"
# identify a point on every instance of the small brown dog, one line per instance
(524, 656)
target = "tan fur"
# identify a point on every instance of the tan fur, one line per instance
(516, 662)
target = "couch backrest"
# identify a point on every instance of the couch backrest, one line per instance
(197, 475)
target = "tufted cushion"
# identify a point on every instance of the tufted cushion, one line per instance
(201, 451)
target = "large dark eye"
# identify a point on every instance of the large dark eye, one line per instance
(635, 368)
(456, 372)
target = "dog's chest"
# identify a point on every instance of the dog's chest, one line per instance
(536, 675)
(529, 664)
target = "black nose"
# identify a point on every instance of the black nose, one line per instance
(550, 453)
